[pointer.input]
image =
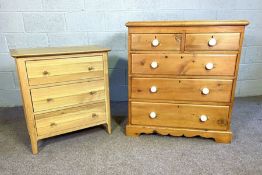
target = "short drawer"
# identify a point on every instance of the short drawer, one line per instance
(65, 95)
(180, 115)
(156, 42)
(59, 70)
(184, 64)
(212, 41)
(70, 118)
(206, 90)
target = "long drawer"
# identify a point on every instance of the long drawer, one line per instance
(48, 98)
(184, 64)
(180, 115)
(62, 120)
(213, 41)
(156, 42)
(59, 70)
(207, 90)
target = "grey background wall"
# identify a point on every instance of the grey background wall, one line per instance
(43, 23)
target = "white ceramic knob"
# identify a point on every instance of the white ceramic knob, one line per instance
(154, 64)
(209, 66)
(152, 114)
(203, 118)
(155, 42)
(153, 89)
(212, 42)
(205, 91)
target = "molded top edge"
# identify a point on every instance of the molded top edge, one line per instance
(187, 23)
(47, 51)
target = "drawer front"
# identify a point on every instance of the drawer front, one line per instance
(65, 95)
(59, 70)
(184, 64)
(213, 41)
(180, 115)
(208, 90)
(156, 42)
(62, 120)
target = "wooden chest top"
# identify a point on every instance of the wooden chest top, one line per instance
(47, 51)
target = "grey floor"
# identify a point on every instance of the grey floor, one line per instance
(93, 151)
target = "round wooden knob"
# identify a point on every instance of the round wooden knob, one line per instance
(45, 72)
(49, 99)
(203, 118)
(52, 124)
(209, 66)
(155, 42)
(154, 65)
(94, 115)
(92, 92)
(205, 91)
(90, 68)
(153, 89)
(152, 115)
(212, 42)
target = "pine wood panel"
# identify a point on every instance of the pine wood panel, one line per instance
(166, 41)
(225, 41)
(52, 122)
(218, 135)
(58, 70)
(184, 64)
(65, 82)
(181, 102)
(65, 95)
(47, 51)
(107, 95)
(183, 76)
(186, 52)
(27, 104)
(182, 29)
(187, 23)
(182, 89)
(180, 115)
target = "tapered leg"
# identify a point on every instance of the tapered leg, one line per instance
(108, 128)
(34, 145)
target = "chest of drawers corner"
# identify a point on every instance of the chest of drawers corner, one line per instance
(182, 77)
(63, 89)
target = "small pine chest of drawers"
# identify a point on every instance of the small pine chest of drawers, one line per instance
(63, 89)
(182, 77)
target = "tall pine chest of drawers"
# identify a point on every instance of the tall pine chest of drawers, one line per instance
(64, 89)
(182, 77)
